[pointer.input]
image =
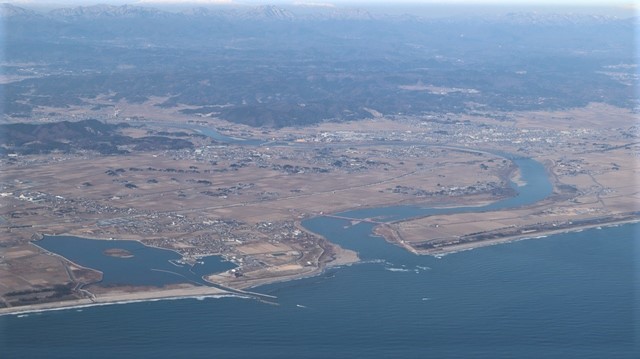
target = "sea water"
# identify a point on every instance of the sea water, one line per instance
(571, 295)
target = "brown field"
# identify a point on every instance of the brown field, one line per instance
(606, 191)
(169, 206)
(245, 203)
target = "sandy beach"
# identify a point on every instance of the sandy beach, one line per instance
(450, 249)
(120, 298)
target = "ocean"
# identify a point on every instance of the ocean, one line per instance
(571, 295)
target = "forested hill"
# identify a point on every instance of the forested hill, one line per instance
(85, 135)
(274, 66)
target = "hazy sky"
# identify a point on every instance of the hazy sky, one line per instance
(359, 2)
(622, 8)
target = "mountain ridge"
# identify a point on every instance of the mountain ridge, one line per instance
(282, 13)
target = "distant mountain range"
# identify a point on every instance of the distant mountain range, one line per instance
(273, 12)
(131, 11)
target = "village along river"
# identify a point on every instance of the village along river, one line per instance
(572, 295)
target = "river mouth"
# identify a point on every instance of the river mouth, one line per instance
(534, 186)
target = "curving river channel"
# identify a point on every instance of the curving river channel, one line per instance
(536, 187)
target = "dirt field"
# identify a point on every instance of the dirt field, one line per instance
(245, 202)
(596, 183)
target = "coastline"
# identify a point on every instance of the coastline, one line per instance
(121, 298)
(342, 257)
(332, 256)
(451, 249)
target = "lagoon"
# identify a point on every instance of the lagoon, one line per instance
(148, 266)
